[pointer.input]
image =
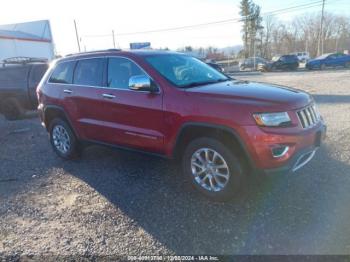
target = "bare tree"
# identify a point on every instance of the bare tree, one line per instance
(302, 34)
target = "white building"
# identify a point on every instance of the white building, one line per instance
(32, 39)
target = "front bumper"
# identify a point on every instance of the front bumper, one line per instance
(302, 148)
(299, 160)
(302, 156)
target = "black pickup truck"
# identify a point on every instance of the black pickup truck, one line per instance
(19, 78)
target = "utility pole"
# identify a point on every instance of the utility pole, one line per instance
(254, 58)
(320, 38)
(76, 34)
(113, 38)
(306, 41)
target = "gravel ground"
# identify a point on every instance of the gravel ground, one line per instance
(120, 203)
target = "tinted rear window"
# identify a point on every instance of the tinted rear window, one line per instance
(37, 73)
(89, 72)
(63, 73)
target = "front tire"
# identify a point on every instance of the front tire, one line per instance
(347, 65)
(212, 169)
(63, 140)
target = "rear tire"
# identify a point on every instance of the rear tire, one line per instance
(12, 109)
(204, 165)
(63, 139)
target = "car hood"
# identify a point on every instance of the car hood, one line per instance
(261, 95)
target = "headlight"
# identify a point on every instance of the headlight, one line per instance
(272, 119)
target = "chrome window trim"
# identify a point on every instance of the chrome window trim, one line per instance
(103, 87)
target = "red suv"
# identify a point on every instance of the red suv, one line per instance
(175, 106)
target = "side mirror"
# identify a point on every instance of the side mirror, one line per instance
(142, 83)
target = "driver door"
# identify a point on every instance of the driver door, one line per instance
(129, 118)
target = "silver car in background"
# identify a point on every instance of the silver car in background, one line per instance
(251, 63)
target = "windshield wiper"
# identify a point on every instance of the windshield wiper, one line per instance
(194, 84)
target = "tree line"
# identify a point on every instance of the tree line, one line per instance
(269, 36)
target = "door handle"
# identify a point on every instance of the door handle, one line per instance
(67, 91)
(108, 96)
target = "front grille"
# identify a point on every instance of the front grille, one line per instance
(308, 116)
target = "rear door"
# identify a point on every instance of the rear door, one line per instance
(82, 98)
(341, 59)
(281, 63)
(59, 89)
(126, 117)
(331, 60)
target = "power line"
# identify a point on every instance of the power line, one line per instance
(228, 21)
(232, 20)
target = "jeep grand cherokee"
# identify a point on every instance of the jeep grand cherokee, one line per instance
(175, 106)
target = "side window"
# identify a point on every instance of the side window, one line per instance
(119, 72)
(89, 72)
(63, 73)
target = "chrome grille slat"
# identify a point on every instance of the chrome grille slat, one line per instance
(305, 118)
(313, 114)
(308, 117)
(316, 114)
(301, 119)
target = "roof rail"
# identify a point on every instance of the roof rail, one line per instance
(22, 60)
(96, 51)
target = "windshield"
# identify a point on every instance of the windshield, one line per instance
(275, 58)
(185, 71)
(323, 56)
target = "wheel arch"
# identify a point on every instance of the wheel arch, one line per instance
(51, 112)
(226, 135)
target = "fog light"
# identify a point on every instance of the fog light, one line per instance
(279, 151)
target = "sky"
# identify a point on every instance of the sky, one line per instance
(99, 17)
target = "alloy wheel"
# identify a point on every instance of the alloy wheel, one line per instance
(210, 169)
(61, 139)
